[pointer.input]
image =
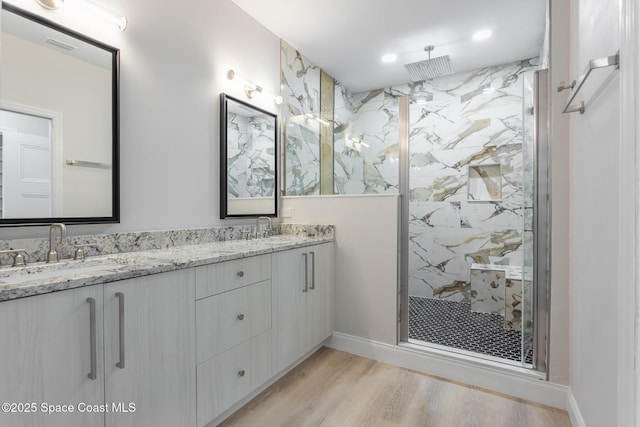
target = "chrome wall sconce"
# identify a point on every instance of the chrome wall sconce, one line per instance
(109, 15)
(250, 88)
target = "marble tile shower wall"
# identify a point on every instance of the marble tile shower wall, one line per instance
(300, 82)
(470, 121)
(365, 142)
(475, 118)
(251, 158)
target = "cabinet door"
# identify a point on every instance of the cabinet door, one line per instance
(320, 304)
(289, 291)
(46, 356)
(158, 375)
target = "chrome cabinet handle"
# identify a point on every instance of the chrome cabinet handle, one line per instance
(92, 339)
(240, 274)
(313, 270)
(306, 273)
(240, 316)
(241, 373)
(120, 296)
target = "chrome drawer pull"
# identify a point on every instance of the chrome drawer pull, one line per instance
(306, 273)
(241, 373)
(120, 296)
(240, 316)
(93, 343)
(240, 274)
(313, 270)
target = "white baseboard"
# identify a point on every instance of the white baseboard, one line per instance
(574, 412)
(506, 381)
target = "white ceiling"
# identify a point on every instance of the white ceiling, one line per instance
(347, 38)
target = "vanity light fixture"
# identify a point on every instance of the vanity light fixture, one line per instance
(50, 4)
(250, 88)
(318, 119)
(109, 15)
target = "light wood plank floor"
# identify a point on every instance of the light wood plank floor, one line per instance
(333, 388)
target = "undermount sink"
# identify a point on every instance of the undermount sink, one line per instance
(64, 268)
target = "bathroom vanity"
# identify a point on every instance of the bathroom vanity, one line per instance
(178, 336)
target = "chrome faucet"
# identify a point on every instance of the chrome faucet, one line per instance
(268, 229)
(52, 255)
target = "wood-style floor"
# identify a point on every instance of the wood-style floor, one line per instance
(333, 388)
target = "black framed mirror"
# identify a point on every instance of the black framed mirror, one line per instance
(59, 124)
(248, 160)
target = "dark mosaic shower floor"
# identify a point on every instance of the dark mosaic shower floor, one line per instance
(453, 324)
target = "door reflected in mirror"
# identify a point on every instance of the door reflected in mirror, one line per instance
(248, 160)
(58, 124)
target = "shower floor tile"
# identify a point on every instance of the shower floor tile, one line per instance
(453, 324)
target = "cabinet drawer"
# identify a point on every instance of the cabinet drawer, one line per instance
(230, 318)
(232, 375)
(225, 276)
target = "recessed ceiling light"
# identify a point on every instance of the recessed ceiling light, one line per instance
(482, 35)
(389, 58)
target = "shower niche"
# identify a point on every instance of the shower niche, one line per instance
(484, 183)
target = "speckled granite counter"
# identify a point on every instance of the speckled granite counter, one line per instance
(41, 278)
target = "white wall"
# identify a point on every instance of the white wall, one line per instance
(559, 152)
(174, 60)
(595, 196)
(366, 251)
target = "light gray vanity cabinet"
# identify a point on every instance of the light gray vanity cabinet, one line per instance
(233, 332)
(45, 357)
(302, 301)
(158, 374)
(47, 350)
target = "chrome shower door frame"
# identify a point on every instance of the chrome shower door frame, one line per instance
(541, 223)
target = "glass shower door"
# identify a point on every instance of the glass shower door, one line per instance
(471, 214)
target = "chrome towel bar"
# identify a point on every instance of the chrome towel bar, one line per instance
(575, 86)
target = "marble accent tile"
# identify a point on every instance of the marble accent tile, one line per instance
(300, 80)
(440, 258)
(251, 156)
(484, 183)
(366, 142)
(436, 214)
(490, 216)
(439, 265)
(513, 305)
(487, 290)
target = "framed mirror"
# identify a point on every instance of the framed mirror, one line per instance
(59, 129)
(248, 160)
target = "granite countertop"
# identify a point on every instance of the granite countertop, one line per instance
(41, 278)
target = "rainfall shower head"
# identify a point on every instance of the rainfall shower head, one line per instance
(430, 68)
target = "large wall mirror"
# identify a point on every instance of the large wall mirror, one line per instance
(58, 124)
(248, 160)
